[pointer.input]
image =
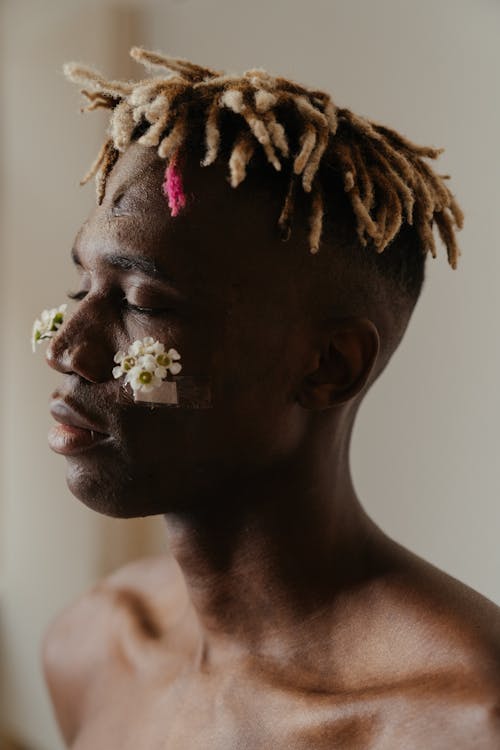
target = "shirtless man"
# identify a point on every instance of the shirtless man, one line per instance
(282, 616)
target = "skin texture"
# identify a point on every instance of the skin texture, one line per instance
(281, 615)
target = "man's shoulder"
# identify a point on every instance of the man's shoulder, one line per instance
(460, 611)
(135, 604)
(420, 639)
(142, 593)
(427, 618)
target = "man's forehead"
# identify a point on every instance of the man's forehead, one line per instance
(223, 232)
(139, 174)
(136, 175)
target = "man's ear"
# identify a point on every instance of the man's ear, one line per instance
(349, 350)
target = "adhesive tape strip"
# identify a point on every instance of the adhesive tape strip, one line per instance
(181, 391)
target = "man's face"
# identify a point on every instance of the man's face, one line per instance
(217, 284)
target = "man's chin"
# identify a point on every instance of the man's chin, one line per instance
(119, 486)
(118, 496)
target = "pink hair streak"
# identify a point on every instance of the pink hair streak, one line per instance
(173, 188)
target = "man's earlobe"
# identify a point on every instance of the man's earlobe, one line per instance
(348, 354)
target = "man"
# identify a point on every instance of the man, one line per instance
(282, 616)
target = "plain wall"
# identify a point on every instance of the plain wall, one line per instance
(425, 446)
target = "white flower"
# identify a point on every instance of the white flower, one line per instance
(125, 362)
(142, 379)
(146, 364)
(167, 360)
(47, 325)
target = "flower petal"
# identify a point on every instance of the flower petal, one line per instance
(148, 362)
(136, 348)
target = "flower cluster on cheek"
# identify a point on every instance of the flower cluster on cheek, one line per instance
(146, 364)
(47, 325)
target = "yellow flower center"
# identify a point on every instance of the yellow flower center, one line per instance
(128, 363)
(163, 360)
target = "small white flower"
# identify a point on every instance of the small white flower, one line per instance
(47, 325)
(146, 364)
(142, 379)
(167, 360)
(125, 362)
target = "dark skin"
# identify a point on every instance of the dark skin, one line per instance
(282, 615)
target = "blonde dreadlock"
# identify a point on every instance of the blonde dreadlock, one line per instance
(383, 173)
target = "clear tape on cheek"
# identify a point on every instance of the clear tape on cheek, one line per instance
(179, 391)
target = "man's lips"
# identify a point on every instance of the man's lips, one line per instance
(67, 413)
(75, 432)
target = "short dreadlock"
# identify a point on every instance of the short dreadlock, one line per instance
(383, 174)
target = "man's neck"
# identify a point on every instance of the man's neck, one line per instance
(264, 566)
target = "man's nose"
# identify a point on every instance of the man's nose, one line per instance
(82, 347)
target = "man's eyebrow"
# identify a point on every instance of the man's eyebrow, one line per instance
(129, 263)
(135, 263)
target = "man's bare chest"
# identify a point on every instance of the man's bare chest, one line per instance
(118, 684)
(228, 712)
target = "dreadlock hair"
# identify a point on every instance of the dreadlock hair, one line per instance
(384, 182)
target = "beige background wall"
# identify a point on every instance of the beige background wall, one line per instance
(425, 451)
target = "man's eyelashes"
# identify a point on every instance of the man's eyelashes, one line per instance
(125, 305)
(77, 295)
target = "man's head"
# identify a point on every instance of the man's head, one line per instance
(290, 339)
